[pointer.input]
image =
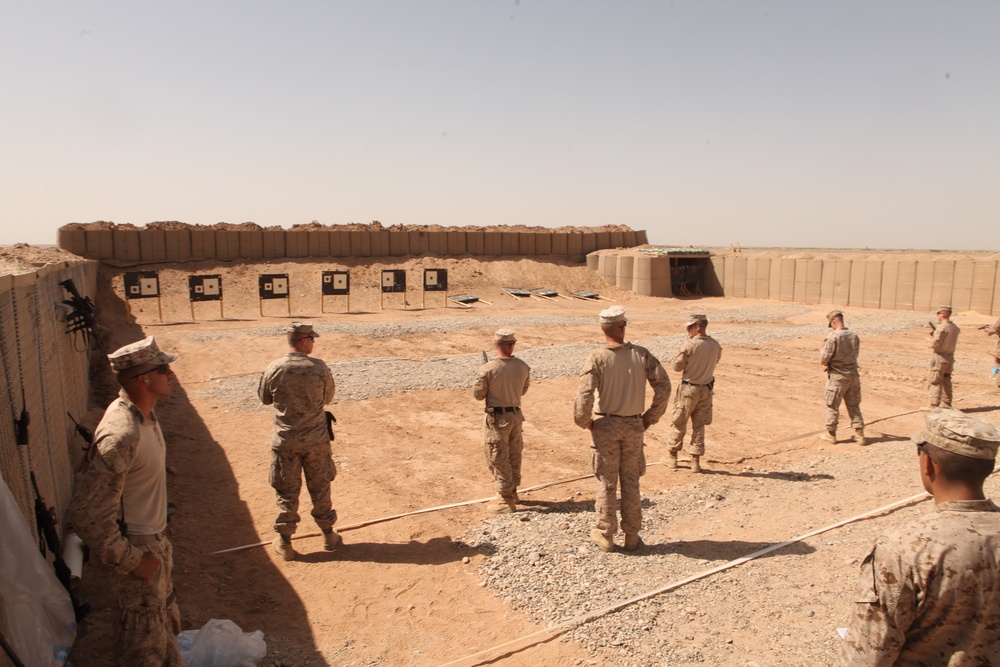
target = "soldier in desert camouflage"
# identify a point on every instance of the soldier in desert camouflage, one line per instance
(942, 341)
(501, 382)
(929, 591)
(299, 386)
(696, 362)
(839, 358)
(618, 373)
(119, 508)
(994, 330)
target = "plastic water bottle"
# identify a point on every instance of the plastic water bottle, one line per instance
(995, 375)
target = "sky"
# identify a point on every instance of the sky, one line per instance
(846, 124)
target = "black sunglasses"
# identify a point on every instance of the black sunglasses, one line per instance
(162, 370)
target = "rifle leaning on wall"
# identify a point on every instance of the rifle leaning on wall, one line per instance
(81, 316)
(45, 518)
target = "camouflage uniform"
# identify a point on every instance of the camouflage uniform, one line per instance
(693, 400)
(299, 386)
(501, 382)
(994, 330)
(929, 591)
(125, 444)
(617, 438)
(943, 342)
(839, 358)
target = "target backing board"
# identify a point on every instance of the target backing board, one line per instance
(142, 285)
(273, 285)
(435, 280)
(205, 288)
(393, 280)
(336, 283)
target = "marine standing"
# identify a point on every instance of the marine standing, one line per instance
(693, 401)
(119, 508)
(501, 382)
(618, 373)
(929, 591)
(942, 341)
(994, 330)
(839, 358)
(299, 386)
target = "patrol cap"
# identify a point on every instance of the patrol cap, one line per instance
(140, 353)
(832, 314)
(300, 330)
(959, 433)
(943, 309)
(504, 336)
(613, 315)
(695, 318)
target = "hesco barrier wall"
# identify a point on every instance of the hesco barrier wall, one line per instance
(896, 284)
(45, 372)
(138, 246)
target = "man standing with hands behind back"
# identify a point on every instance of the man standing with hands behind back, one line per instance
(119, 508)
(618, 373)
(299, 386)
(501, 382)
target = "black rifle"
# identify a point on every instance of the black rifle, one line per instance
(81, 315)
(45, 518)
(83, 431)
(330, 421)
(931, 325)
(485, 358)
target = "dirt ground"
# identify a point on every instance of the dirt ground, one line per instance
(406, 591)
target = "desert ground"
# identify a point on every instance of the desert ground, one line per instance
(445, 586)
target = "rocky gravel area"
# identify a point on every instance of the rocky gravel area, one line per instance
(540, 561)
(377, 377)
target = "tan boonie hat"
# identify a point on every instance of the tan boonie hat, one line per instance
(943, 309)
(140, 353)
(300, 330)
(832, 314)
(695, 318)
(613, 315)
(504, 336)
(959, 433)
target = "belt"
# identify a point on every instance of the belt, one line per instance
(602, 414)
(140, 540)
(692, 384)
(495, 410)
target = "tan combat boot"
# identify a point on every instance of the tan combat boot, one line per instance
(672, 461)
(695, 463)
(632, 541)
(829, 436)
(515, 497)
(502, 505)
(859, 437)
(332, 540)
(603, 542)
(283, 547)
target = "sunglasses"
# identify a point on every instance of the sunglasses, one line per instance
(162, 370)
(920, 449)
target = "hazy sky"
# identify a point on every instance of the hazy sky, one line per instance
(847, 123)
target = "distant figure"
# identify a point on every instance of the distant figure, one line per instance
(618, 374)
(839, 358)
(929, 591)
(119, 508)
(299, 386)
(501, 382)
(696, 361)
(942, 341)
(994, 330)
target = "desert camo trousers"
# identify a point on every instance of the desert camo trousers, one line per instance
(149, 619)
(287, 467)
(692, 402)
(503, 445)
(939, 381)
(846, 388)
(617, 457)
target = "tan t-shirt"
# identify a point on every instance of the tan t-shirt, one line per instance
(502, 381)
(697, 359)
(618, 374)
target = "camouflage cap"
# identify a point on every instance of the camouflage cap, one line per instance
(613, 315)
(695, 318)
(943, 309)
(832, 314)
(959, 433)
(140, 353)
(504, 336)
(300, 330)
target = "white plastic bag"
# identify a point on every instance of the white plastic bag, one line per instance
(222, 644)
(37, 614)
